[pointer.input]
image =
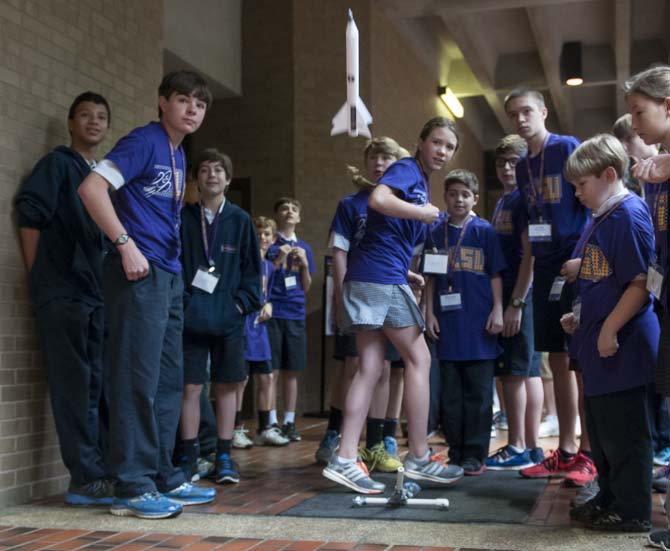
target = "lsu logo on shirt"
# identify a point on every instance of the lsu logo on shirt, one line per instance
(594, 264)
(551, 190)
(502, 223)
(470, 259)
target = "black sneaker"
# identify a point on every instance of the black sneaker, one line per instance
(607, 521)
(289, 431)
(659, 539)
(585, 512)
(98, 492)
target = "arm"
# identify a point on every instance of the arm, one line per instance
(432, 324)
(93, 192)
(384, 201)
(629, 304)
(512, 316)
(655, 170)
(29, 240)
(248, 297)
(494, 323)
(305, 276)
(339, 271)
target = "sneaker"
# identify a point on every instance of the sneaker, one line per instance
(662, 458)
(226, 470)
(607, 521)
(189, 494)
(473, 467)
(240, 439)
(433, 470)
(150, 505)
(582, 472)
(189, 466)
(659, 539)
(536, 455)
(205, 467)
(391, 445)
(354, 475)
(552, 465)
(329, 444)
(585, 493)
(586, 512)
(289, 431)
(660, 480)
(549, 427)
(500, 420)
(506, 459)
(377, 458)
(98, 492)
(272, 436)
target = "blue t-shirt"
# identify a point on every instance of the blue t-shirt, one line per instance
(288, 303)
(509, 222)
(463, 334)
(619, 249)
(348, 225)
(656, 196)
(385, 252)
(147, 204)
(256, 340)
(558, 205)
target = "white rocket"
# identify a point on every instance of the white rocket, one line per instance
(353, 117)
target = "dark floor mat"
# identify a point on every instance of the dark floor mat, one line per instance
(493, 497)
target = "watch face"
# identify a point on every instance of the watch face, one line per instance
(122, 239)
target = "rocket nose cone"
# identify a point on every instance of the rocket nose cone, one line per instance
(351, 15)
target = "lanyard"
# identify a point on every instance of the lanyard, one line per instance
(176, 192)
(497, 209)
(209, 247)
(538, 199)
(424, 178)
(265, 282)
(457, 249)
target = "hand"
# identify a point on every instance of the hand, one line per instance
(432, 327)
(607, 343)
(570, 269)
(494, 323)
(429, 213)
(135, 265)
(300, 255)
(654, 169)
(511, 321)
(266, 312)
(415, 280)
(569, 323)
(283, 253)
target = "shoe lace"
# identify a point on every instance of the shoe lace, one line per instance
(225, 462)
(551, 461)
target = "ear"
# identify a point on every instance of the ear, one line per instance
(476, 199)
(544, 112)
(611, 175)
(666, 104)
(162, 104)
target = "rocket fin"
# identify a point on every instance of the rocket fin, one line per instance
(341, 121)
(360, 108)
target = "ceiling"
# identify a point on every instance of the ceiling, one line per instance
(482, 49)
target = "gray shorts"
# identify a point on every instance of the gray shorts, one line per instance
(371, 306)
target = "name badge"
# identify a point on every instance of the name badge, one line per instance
(290, 282)
(450, 301)
(435, 263)
(205, 280)
(577, 309)
(539, 232)
(556, 289)
(655, 282)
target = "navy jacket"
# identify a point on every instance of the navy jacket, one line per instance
(68, 264)
(236, 257)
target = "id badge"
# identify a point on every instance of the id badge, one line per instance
(556, 289)
(539, 232)
(205, 280)
(450, 301)
(435, 263)
(290, 282)
(655, 282)
(577, 309)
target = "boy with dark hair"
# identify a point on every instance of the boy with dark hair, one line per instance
(143, 293)
(222, 280)
(615, 335)
(294, 266)
(464, 314)
(63, 250)
(555, 219)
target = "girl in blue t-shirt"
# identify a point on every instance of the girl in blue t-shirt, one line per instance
(379, 304)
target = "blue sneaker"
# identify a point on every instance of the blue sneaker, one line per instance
(98, 492)
(662, 458)
(327, 447)
(536, 455)
(189, 494)
(226, 470)
(506, 459)
(391, 445)
(149, 506)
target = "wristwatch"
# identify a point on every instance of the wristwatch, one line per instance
(518, 303)
(121, 239)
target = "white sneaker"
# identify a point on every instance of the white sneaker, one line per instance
(549, 427)
(240, 439)
(272, 436)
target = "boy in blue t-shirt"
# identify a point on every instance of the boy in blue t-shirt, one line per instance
(464, 314)
(615, 336)
(294, 266)
(143, 290)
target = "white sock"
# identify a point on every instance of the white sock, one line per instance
(515, 449)
(289, 417)
(423, 459)
(273, 417)
(342, 461)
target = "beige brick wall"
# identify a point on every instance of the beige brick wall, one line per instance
(50, 51)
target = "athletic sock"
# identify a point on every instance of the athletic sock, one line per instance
(263, 420)
(374, 432)
(335, 419)
(223, 446)
(289, 417)
(515, 449)
(566, 456)
(238, 419)
(273, 417)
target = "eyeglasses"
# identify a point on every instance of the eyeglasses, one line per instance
(501, 162)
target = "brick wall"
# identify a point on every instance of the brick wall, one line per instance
(49, 53)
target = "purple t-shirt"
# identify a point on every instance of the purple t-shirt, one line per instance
(256, 340)
(348, 226)
(509, 222)
(656, 196)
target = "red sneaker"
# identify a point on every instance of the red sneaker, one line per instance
(583, 471)
(553, 465)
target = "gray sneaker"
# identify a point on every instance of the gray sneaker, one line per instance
(353, 475)
(585, 493)
(431, 470)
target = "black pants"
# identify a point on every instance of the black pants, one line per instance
(144, 377)
(71, 336)
(622, 451)
(467, 398)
